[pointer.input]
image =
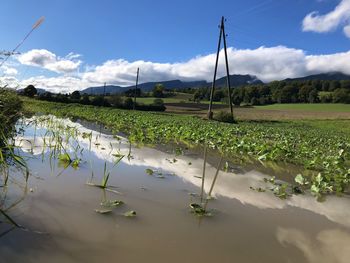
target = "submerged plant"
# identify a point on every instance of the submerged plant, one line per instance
(131, 213)
(199, 210)
(111, 203)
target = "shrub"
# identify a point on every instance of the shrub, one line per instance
(100, 101)
(158, 102)
(224, 116)
(128, 103)
(10, 107)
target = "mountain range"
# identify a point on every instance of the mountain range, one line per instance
(236, 80)
(323, 76)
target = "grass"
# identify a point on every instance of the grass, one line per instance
(10, 110)
(178, 98)
(149, 100)
(317, 107)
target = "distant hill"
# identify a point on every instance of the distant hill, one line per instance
(236, 80)
(101, 89)
(323, 76)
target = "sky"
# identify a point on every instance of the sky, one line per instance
(83, 43)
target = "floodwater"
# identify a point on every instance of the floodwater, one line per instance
(56, 209)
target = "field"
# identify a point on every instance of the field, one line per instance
(315, 107)
(133, 168)
(273, 112)
(298, 142)
(177, 98)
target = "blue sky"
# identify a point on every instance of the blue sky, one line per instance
(83, 43)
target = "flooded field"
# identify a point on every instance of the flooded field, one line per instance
(94, 197)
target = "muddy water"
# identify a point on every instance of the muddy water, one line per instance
(57, 210)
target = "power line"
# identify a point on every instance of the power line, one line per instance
(8, 54)
(221, 35)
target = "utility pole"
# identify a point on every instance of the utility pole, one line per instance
(104, 93)
(228, 83)
(137, 82)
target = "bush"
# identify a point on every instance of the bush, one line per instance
(85, 100)
(224, 116)
(10, 108)
(116, 100)
(100, 101)
(75, 95)
(128, 103)
(158, 102)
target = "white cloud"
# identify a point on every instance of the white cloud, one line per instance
(329, 63)
(267, 63)
(330, 21)
(48, 60)
(9, 81)
(346, 30)
(9, 71)
(61, 84)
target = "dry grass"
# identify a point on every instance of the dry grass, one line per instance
(257, 113)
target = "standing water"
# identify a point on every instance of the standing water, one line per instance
(94, 197)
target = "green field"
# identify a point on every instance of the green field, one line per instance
(177, 98)
(319, 147)
(317, 107)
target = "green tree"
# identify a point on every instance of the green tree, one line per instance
(86, 99)
(313, 96)
(218, 95)
(345, 84)
(30, 91)
(335, 84)
(289, 94)
(158, 91)
(341, 96)
(116, 100)
(197, 96)
(304, 93)
(129, 103)
(75, 95)
(237, 96)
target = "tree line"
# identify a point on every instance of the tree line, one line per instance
(307, 91)
(116, 100)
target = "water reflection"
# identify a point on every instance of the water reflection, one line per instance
(327, 246)
(272, 230)
(192, 169)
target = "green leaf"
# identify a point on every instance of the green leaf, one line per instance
(315, 189)
(103, 211)
(130, 213)
(149, 171)
(299, 179)
(112, 203)
(318, 178)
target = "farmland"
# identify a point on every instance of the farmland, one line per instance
(130, 166)
(289, 142)
(175, 131)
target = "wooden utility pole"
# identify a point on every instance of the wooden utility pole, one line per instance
(228, 82)
(104, 90)
(210, 113)
(137, 82)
